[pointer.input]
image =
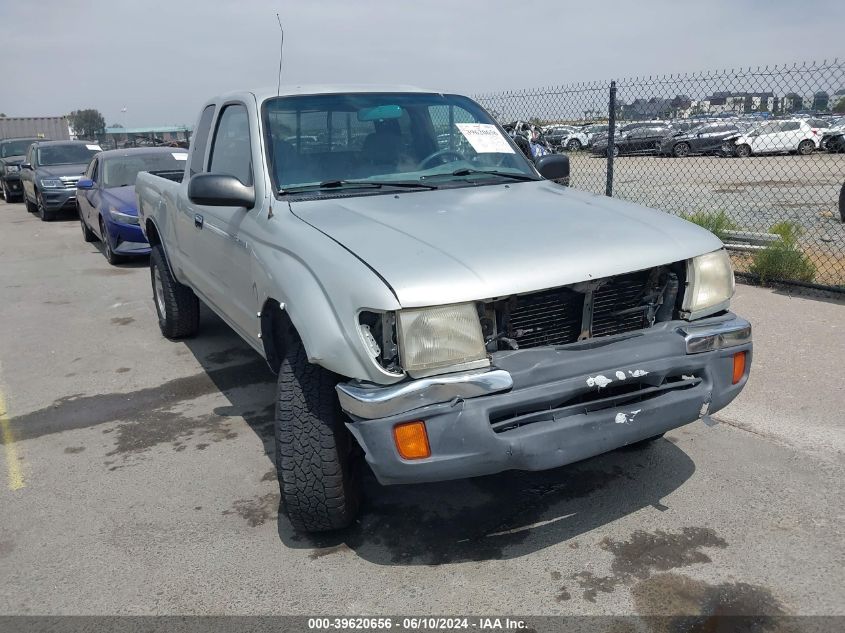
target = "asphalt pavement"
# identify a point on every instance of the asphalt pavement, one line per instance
(136, 477)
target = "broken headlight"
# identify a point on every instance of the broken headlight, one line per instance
(710, 285)
(439, 339)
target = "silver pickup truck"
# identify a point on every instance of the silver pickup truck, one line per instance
(433, 302)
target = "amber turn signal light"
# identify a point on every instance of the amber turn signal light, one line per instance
(411, 440)
(739, 366)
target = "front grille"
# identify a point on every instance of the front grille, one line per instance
(555, 317)
(70, 181)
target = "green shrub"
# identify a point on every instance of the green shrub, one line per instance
(717, 222)
(783, 260)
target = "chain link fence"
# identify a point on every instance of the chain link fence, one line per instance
(756, 155)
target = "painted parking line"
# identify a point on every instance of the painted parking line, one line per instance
(13, 465)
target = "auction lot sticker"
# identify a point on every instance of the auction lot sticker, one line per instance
(485, 138)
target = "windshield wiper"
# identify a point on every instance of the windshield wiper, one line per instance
(356, 184)
(466, 171)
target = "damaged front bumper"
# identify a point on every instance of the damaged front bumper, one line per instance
(546, 407)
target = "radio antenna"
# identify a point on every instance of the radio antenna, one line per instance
(281, 54)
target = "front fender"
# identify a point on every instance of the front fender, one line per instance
(322, 287)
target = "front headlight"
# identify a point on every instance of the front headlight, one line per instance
(710, 284)
(123, 218)
(434, 339)
(12, 169)
(52, 183)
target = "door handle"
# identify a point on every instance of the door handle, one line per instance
(198, 220)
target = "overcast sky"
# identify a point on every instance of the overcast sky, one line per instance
(162, 58)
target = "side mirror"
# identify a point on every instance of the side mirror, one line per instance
(553, 166)
(26, 165)
(85, 183)
(217, 190)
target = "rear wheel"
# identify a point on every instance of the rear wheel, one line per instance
(743, 151)
(316, 456)
(806, 147)
(176, 305)
(680, 150)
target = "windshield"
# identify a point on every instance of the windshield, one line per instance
(70, 154)
(383, 137)
(122, 171)
(15, 148)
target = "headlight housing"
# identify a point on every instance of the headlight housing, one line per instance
(123, 218)
(12, 169)
(710, 285)
(52, 183)
(432, 340)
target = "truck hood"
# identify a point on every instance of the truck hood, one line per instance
(472, 243)
(61, 170)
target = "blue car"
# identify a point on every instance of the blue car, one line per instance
(108, 210)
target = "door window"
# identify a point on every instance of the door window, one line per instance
(231, 152)
(201, 140)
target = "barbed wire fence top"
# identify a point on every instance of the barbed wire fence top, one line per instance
(755, 155)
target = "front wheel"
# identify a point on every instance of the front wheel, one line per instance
(29, 206)
(316, 456)
(43, 213)
(573, 145)
(680, 150)
(743, 151)
(111, 257)
(176, 305)
(87, 234)
(806, 147)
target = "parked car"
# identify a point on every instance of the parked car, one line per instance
(49, 175)
(836, 128)
(555, 134)
(834, 142)
(108, 210)
(12, 152)
(432, 312)
(703, 139)
(645, 139)
(777, 137)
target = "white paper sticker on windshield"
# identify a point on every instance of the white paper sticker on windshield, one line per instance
(94, 148)
(180, 155)
(485, 138)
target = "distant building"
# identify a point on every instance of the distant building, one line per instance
(48, 127)
(737, 102)
(656, 108)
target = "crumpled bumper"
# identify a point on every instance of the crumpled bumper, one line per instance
(562, 405)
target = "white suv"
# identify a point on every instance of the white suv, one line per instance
(777, 137)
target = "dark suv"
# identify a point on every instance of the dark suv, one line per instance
(50, 172)
(12, 151)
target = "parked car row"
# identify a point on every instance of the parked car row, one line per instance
(725, 136)
(52, 177)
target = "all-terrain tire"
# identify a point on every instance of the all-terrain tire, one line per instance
(316, 456)
(176, 305)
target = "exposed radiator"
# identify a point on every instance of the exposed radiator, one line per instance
(555, 317)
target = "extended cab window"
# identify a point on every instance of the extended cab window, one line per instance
(201, 140)
(231, 154)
